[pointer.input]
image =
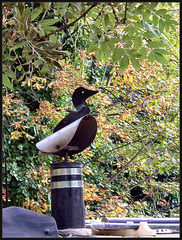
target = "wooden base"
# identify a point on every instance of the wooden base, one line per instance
(71, 232)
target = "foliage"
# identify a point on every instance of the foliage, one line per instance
(127, 51)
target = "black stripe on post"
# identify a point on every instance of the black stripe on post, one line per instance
(67, 201)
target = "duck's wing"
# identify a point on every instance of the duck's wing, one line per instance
(71, 117)
(58, 140)
(83, 137)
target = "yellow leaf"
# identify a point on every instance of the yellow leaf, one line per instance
(130, 78)
(125, 78)
(115, 82)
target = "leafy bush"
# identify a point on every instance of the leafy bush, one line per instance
(131, 57)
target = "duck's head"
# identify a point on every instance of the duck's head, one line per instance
(80, 95)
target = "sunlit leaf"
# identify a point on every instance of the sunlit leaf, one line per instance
(156, 44)
(48, 22)
(155, 20)
(138, 43)
(151, 57)
(7, 82)
(117, 54)
(123, 63)
(35, 13)
(161, 25)
(135, 63)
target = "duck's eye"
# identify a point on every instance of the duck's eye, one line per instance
(83, 92)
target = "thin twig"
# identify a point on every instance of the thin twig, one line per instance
(136, 155)
(68, 25)
(115, 97)
(145, 180)
(114, 12)
(124, 19)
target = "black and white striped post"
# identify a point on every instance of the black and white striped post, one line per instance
(67, 201)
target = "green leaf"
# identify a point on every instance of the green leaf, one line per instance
(11, 74)
(161, 12)
(161, 51)
(7, 82)
(160, 58)
(19, 67)
(47, 5)
(129, 44)
(133, 53)
(97, 23)
(93, 12)
(48, 29)
(104, 26)
(167, 26)
(135, 63)
(152, 5)
(91, 49)
(167, 17)
(35, 13)
(153, 31)
(156, 44)
(138, 43)
(95, 9)
(146, 14)
(21, 78)
(125, 38)
(161, 25)
(26, 13)
(18, 46)
(105, 58)
(106, 19)
(110, 46)
(93, 37)
(105, 48)
(143, 51)
(20, 7)
(151, 57)
(117, 54)
(123, 63)
(173, 22)
(37, 62)
(53, 38)
(136, 18)
(149, 35)
(96, 30)
(170, 24)
(48, 22)
(129, 29)
(155, 20)
(98, 53)
(18, 14)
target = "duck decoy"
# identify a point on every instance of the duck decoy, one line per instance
(75, 132)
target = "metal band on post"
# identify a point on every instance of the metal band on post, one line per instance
(67, 202)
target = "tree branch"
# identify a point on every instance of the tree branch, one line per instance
(145, 180)
(114, 96)
(136, 155)
(113, 149)
(114, 12)
(126, 8)
(68, 25)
